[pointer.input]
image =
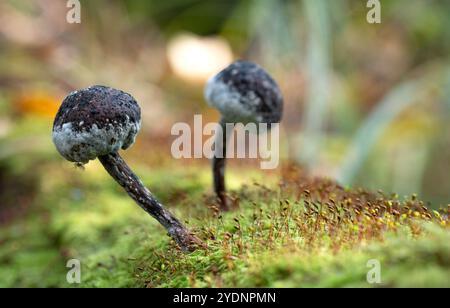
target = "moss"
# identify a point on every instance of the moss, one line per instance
(404, 263)
(28, 256)
(301, 233)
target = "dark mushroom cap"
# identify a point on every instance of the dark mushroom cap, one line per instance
(95, 121)
(245, 92)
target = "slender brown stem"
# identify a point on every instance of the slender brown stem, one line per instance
(218, 164)
(123, 175)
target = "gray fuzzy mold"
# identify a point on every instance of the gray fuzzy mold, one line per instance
(95, 121)
(244, 92)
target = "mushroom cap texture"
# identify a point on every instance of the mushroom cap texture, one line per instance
(245, 92)
(95, 121)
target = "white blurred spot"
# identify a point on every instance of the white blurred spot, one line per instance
(5, 127)
(197, 58)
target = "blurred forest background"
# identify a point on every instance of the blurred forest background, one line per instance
(368, 104)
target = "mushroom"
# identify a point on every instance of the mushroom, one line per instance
(96, 123)
(243, 93)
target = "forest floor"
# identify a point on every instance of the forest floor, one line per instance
(291, 231)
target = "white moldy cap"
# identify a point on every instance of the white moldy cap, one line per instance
(95, 121)
(244, 92)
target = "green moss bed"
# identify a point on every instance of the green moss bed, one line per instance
(286, 230)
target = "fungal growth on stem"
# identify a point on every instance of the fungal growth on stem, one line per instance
(99, 121)
(243, 93)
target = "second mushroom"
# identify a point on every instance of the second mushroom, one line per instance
(243, 93)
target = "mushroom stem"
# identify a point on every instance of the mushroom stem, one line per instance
(126, 178)
(218, 163)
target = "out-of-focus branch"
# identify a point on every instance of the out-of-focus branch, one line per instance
(318, 70)
(396, 101)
